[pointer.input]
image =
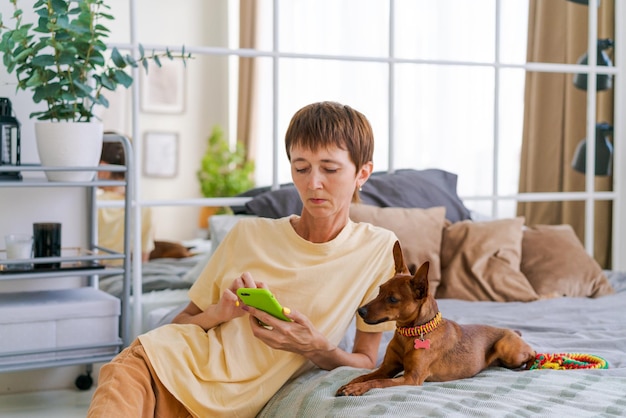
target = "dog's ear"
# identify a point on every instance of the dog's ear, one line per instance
(419, 282)
(401, 267)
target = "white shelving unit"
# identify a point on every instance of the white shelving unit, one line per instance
(81, 301)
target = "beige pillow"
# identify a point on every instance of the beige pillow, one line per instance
(555, 263)
(481, 261)
(417, 229)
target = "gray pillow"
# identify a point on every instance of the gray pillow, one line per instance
(405, 188)
(409, 188)
(276, 203)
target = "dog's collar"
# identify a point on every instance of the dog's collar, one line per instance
(420, 330)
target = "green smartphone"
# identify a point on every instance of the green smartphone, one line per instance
(262, 299)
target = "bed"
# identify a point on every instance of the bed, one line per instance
(573, 325)
(537, 279)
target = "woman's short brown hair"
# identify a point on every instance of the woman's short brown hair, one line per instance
(331, 124)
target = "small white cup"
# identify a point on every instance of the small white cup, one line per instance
(19, 247)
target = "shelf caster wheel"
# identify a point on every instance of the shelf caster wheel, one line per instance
(84, 381)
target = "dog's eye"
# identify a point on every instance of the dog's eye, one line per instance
(392, 299)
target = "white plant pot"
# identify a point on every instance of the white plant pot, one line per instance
(69, 144)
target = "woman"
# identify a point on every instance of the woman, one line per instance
(216, 358)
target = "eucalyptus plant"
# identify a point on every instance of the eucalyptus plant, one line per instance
(63, 59)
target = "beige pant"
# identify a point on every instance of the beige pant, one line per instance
(129, 387)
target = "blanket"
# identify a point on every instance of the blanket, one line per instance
(159, 274)
(572, 325)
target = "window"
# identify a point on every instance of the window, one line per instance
(443, 83)
(436, 68)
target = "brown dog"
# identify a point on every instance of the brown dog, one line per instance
(426, 346)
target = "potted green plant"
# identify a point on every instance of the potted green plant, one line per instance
(223, 172)
(62, 59)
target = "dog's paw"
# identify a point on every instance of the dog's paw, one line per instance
(343, 391)
(352, 389)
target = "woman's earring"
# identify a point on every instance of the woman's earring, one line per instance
(360, 187)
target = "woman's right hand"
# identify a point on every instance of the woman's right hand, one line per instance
(245, 280)
(227, 308)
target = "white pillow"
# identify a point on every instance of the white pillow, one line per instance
(219, 225)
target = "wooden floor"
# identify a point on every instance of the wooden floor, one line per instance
(70, 403)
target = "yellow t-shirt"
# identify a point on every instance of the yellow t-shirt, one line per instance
(111, 227)
(227, 371)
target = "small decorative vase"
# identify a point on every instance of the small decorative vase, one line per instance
(69, 144)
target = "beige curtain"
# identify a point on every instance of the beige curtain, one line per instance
(246, 115)
(555, 119)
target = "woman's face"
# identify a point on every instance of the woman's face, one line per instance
(326, 179)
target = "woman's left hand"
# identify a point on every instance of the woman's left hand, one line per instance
(298, 336)
(301, 337)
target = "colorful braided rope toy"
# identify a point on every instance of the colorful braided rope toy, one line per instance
(567, 361)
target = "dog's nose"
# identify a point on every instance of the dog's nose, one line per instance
(362, 311)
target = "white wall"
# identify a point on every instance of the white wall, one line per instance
(206, 92)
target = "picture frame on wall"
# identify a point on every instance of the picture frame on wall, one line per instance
(163, 88)
(160, 154)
